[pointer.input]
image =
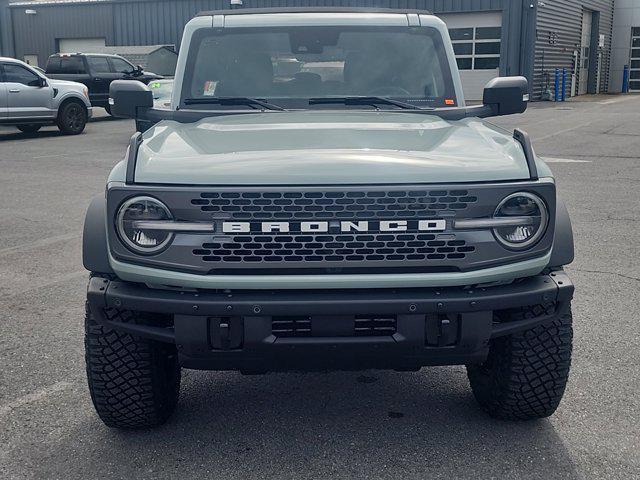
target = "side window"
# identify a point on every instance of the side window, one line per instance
(53, 65)
(98, 64)
(72, 65)
(18, 74)
(121, 66)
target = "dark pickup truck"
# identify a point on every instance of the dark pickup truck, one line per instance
(96, 71)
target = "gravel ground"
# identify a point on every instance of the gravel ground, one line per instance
(342, 425)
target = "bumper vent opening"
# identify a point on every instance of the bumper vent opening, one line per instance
(287, 327)
(375, 326)
(333, 326)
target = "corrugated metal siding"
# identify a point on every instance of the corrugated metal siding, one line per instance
(6, 36)
(559, 28)
(36, 34)
(151, 22)
(146, 22)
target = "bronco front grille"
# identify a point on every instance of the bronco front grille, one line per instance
(355, 235)
(333, 248)
(313, 205)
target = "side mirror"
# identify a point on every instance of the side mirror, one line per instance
(38, 82)
(506, 95)
(127, 96)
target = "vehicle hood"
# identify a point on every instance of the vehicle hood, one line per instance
(307, 148)
(65, 84)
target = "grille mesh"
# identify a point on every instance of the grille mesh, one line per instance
(333, 204)
(333, 248)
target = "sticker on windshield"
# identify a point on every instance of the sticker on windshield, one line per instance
(209, 88)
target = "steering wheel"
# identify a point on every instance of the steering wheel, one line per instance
(390, 91)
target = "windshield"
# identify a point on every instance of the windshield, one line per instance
(289, 66)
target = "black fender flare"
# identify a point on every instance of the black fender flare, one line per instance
(562, 252)
(95, 250)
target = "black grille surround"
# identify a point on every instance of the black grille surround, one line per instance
(335, 251)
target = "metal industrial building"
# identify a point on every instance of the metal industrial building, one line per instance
(491, 37)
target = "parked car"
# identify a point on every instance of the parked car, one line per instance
(162, 91)
(321, 221)
(29, 100)
(96, 71)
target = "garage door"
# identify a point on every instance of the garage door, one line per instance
(476, 41)
(79, 45)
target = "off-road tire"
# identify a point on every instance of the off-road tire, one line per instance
(72, 118)
(525, 374)
(134, 382)
(29, 128)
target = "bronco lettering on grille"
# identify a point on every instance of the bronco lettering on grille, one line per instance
(432, 225)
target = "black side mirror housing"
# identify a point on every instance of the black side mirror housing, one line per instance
(506, 95)
(127, 96)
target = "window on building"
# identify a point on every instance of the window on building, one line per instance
(98, 64)
(477, 48)
(634, 61)
(18, 74)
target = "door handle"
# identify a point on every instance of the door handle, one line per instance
(97, 79)
(14, 90)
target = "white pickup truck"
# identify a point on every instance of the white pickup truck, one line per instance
(29, 100)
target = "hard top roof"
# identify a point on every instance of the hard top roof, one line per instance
(249, 11)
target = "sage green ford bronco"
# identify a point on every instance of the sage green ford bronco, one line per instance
(318, 196)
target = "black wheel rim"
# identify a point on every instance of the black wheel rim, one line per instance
(74, 118)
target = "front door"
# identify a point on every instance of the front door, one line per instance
(585, 52)
(26, 97)
(3, 98)
(101, 78)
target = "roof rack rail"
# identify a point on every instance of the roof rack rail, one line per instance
(248, 11)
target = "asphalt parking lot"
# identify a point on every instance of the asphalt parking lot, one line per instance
(339, 425)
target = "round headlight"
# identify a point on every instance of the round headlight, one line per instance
(130, 221)
(529, 219)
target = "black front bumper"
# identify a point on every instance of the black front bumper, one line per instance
(235, 330)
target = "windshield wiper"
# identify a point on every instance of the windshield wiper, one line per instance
(374, 101)
(248, 101)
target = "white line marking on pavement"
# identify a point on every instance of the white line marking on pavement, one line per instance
(33, 397)
(615, 100)
(40, 243)
(50, 156)
(563, 160)
(560, 132)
